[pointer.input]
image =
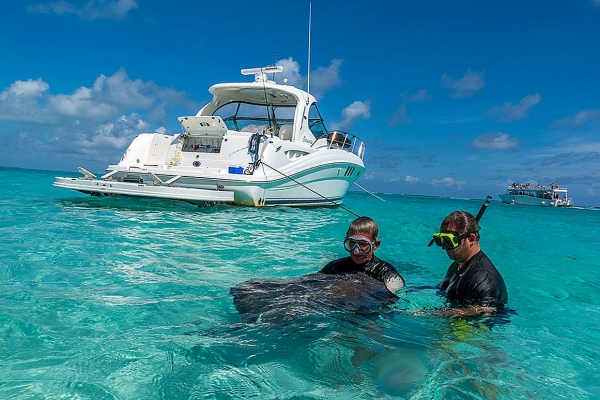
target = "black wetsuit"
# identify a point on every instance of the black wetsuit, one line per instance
(478, 283)
(375, 268)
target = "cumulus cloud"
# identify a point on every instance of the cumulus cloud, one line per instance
(324, 78)
(417, 97)
(105, 99)
(580, 118)
(291, 72)
(115, 135)
(352, 113)
(400, 116)
(570, 157)
(411, 179)
(21, 101)
(513, 112)
(450, 182)
(93, 9)
(495, 141)
(321, 80)
(98, 120)
(466, 86)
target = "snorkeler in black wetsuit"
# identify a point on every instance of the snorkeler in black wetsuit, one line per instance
(478, 282)
(361, 241)
(472, 279)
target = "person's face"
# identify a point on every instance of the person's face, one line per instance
(462, 252)
(361, 247)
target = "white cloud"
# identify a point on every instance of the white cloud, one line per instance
(81, 105)
(93, 9)
(350, 114)
(291, 72)
(21, 101)
(495, 141)
(450, 182)
(28, 88)
(509, 112)
(400, 116)
(411, 179)
(580, 118)
(324, 78)
(91, 123)
(418, 97)
(114, 135)
(107, 98)
(321, 80)
(466, 86)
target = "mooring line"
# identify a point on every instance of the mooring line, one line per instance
(318, 194)
(372, 194)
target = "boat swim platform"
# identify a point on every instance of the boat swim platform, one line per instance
(108, 188)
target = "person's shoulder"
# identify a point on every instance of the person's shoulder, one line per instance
(381, 262)
(332, 266)
(485, 263)
(385, 267)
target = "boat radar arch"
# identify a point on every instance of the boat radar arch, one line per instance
(260, 74)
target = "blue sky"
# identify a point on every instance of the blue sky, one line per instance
(453, 98)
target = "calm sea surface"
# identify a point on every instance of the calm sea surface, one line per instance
(107, 298)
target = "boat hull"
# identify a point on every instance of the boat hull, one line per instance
(530, 201)
(315, 185)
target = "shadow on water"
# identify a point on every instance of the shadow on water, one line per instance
(135, 204)
(153, 204)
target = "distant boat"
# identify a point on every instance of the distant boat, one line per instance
(547, 196)
(256, 143)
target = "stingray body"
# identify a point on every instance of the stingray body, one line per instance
(282, 300)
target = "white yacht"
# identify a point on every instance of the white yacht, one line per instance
(256, 143)
(526, 194)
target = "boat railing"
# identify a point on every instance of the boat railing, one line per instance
(346, 141)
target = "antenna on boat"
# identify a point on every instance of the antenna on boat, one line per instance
(309, 28)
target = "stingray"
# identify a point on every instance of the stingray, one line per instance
(284, 300)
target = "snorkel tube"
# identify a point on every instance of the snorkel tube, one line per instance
(484, 207)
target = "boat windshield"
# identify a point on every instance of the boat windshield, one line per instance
(247, 117)
(315, 121)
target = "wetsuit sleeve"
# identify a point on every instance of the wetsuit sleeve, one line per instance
(393, 281)
(384, 271)
(486, 290)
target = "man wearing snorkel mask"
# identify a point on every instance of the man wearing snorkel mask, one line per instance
(472, 280)
(361, 242)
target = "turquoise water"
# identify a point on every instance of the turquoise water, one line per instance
(106, 298)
